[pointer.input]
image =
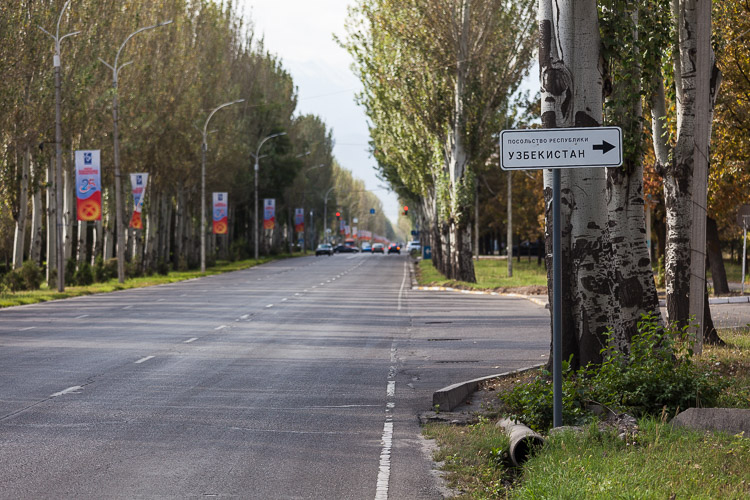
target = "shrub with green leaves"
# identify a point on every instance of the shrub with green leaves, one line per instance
(83, 275)
(655, 373)
(32, 275)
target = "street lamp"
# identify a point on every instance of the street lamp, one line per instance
(257, 167)
(58, 150)
(118, 199)
(204, 148)
(325, 214)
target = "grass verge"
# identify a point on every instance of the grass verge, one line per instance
(656, 462)
(44, 294)
(492, 274)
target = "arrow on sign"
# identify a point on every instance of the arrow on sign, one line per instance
(604, 147)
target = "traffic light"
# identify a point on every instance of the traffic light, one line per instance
(406, 210)
(338, 215)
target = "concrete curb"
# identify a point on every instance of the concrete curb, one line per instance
(447, 398)
(743, 299)
(530, 298)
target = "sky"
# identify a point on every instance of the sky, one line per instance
(301, 33)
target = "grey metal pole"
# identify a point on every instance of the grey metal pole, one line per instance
(509, 232)
(744, 253)
(58, 179)
(58, 148)
(257, 228)
(557, 300)
(120, 226)
(204, 147)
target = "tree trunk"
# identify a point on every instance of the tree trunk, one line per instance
(37, 236)
(69, 212)
(571, 87)
(97, 244)
(109, 236)
(633, 280)
(82, 241)
(51, 224)
(715, 260)
(19, 240)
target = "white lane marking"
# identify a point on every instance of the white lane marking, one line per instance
(284, 299)
(183, 295)
(82, 316)
(191, 340)
(221, 327)
(391, 389)
(67, 391)
(143, 360)
(127, 307)
(161, 300)
(244, 316)
(27, 329)
(403, 283)
(269, 306)
(384, 471)
(297, 294)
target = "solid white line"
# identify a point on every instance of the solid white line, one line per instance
(27, 329)
(221, 327)
(403, 283)
(191, 340)
(384, 471)
(82, 316)
(67, 391)
(143, 360)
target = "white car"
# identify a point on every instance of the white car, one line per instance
(413, 246)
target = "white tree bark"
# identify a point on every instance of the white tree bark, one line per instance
(109, 241)
(571, 84)
(69, 212)
(51, 223)
(83, 237)
(19, 239)
(37, 215)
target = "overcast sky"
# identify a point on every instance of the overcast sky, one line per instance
(301, 33)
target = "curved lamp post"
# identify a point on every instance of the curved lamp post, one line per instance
(58, 150)
(257, 167)
(118, 199)
(204, 148)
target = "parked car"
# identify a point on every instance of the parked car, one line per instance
(413, 246)
(366, 248)
(378, 248)
(324, 249)
(345, 249)
(394, 248)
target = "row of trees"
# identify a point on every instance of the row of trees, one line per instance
(438, 80)
(180, 72)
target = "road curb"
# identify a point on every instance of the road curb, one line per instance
(530, 298)
(447, 398)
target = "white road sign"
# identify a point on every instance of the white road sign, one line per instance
(561, 148)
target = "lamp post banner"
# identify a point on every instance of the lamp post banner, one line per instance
(88, 185)
(299, 220)
(269, 213)
(138, 183)
(221, 213)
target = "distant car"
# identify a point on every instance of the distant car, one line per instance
(413, 246)
(378, 248)
(345, 249)
(394, 248)
(324, 249)
(366, 248)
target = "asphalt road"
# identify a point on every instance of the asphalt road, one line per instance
(298, 379)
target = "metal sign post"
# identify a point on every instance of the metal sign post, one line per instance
(555, 149)
(743, 219)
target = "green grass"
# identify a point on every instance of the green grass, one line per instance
(733, 270)
(9, 299)
(731, 362)
(657, 462)
(491, 274)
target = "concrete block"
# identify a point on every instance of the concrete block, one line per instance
(729, 420)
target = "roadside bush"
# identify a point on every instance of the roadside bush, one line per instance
(657, 373)
(83, 275)
(32, 275)
(13, 280)
(162, 267)
(98, 270)
(110, 269)
(133, 269)
(239, 249)
(70, 271)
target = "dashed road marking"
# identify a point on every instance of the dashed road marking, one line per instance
(221, 327)
(82, 316)
(27, 329)
(269, 306)
(189, 341)
(143, 360)
(127, 307)
(69, 390)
